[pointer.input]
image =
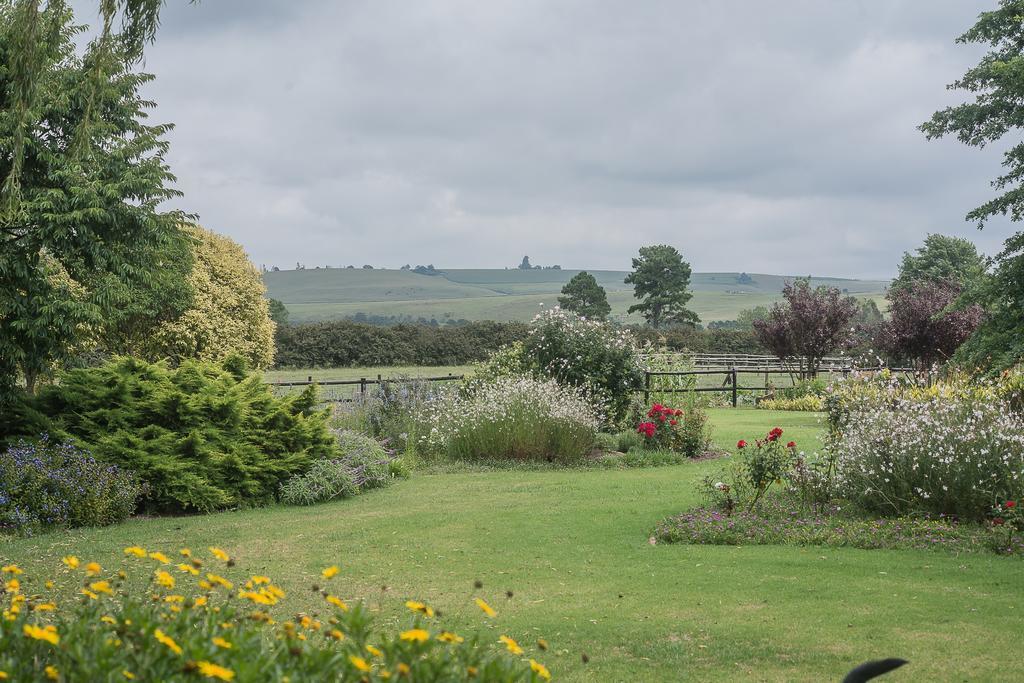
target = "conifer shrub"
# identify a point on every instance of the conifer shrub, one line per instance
(203, 436)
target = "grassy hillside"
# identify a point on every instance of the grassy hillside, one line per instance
(506, 294)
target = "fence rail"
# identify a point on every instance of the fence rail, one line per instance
(363, 383)
(749, 361)
(731, 380)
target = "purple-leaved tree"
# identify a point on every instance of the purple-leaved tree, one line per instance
(922, 328)
(812, 323)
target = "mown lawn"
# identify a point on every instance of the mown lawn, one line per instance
(573, 547)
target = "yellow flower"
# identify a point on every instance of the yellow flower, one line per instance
(185, 552)
(71, 561)
(374, 651)
(417, 635)
(160, 557)
(512, 645)
(3, 676)
(13, 586)
(403, 668)
(220, 642)
(89, 594)
(359, 663)
(189, 569)
(47, 633)
(128, 674)
(415, 606)
(540, 670)
(337, 635)
(260, 598)
(330, 572)
(175, 598)
(49, 585)
(337, 602)
(45, 607)
(164, 579)
(12, 569)
(259, 580)
(135, 550)
(93, 568)
(219, 554)
(101, 587)
(52, 673)
(449, 637)
(168, 641)
(486, 608)
(200, 601)
(211, 670)
(220, 581)
(542, 644)
(106, 619)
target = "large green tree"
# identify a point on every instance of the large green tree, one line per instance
(661, 283)
(84, 175)
(997, 84)
(583, 296)
(941, 259)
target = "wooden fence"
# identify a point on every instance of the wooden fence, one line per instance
(731, 381)
(363, 384)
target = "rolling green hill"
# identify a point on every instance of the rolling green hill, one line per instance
(478, 294)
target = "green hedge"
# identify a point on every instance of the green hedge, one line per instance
(343, 343)
(202, 436)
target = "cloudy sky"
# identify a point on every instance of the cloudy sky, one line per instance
(766, 137)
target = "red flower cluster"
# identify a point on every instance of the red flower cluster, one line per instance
(791, 444)
(647, 429)
(663, 413)
(775, 434)
(1010, 504)
(741, 444)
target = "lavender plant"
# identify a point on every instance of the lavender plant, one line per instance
(47, 484)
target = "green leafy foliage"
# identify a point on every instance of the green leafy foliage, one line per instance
(601, 359)
(583, 296)
(661, 281)
(941, 259)
(202, 436)
(84, 174)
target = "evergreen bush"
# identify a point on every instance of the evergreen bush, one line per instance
(202, 436)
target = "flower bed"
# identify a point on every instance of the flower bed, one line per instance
(190, 621)
(776, 522)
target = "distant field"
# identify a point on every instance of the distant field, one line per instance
(331, 294)
(387, 372)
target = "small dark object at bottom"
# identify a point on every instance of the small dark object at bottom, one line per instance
(869, 670)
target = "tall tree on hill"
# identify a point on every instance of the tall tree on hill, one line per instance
(811, 324)
(84, 175)
(525, 264)
(585, 297)
(661, 281)
(997, 84)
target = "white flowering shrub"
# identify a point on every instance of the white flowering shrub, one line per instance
(517, 418)
(594, 355)
(939, 452)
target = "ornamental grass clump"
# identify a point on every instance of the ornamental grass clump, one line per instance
(46, 484)
(188, 616)
(363, 465)
(515, 418)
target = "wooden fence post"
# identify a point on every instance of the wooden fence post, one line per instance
(734, 396)
(362, 387)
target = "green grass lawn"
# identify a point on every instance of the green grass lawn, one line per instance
(573, 547)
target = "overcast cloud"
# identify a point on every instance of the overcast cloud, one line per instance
(767, 137)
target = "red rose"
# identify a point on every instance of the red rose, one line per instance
(1010, 504)
(998, 521)
(673, 422)
(661, 417)
(791, 444)
(775, 434)
(741, 444)
(679, 413)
